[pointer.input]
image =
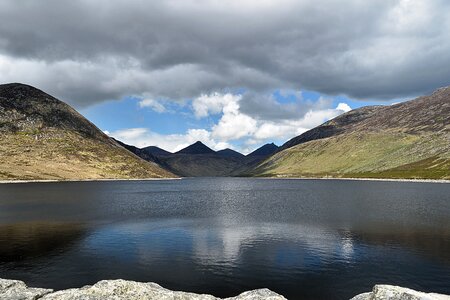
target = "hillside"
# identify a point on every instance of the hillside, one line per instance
(44, 138)
(406, 140)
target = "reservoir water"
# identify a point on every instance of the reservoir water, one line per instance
(304, 239)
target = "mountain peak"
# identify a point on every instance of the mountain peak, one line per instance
(154, 150)
(196, 148)
(28, 109)
(11, 92)
(265, 150)
(57, 142)
(230, 153)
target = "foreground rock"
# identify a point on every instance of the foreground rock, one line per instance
(131, 290)
(117, 290)
(17, 290)
(390, 292)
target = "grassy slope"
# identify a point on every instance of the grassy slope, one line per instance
(377, 155)
(60, 155)
(407, 140)
(44, 138)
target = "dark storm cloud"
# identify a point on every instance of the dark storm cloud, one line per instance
(90, 51)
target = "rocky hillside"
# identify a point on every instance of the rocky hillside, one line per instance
(44, 138)
(406, 140)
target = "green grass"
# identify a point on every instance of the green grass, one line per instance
(372, 155)
(429, 168)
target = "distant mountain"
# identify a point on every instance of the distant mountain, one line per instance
(140, 152)
(252, 159)
(230, 153)
(196, 148)
(156, 151)
(44, 138)
(264, 151)
(406, 140)
(201, 165)
(198, 160)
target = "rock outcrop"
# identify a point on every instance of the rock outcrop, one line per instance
(390, 292)
(117, 290)
(18, 290)
(131, 290)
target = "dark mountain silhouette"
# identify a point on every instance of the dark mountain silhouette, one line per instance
(264, 151)
(156, 151)
(142, 153)
(230, 153)
(198, 160)
(196, 148)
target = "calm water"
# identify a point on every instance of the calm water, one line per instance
(305, 239)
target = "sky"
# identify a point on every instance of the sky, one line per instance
(230, 73)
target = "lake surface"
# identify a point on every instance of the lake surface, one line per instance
(305, 239)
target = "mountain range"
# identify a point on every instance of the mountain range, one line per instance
(44, 138)
(200, 160)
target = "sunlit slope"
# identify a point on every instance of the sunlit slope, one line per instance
(407, 140)
(44, 138)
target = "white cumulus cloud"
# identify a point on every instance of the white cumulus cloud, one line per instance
(153, 104)
(143, 137)
(213, 103)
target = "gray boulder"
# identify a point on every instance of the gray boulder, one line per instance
(18, 290)
(131, 290)
(117, 290)
(390, 292)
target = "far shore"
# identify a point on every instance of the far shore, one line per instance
(363, 179)
(83, 180)
(178, 178)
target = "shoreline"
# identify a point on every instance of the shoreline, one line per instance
(18, 181)
(362, 179)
